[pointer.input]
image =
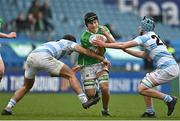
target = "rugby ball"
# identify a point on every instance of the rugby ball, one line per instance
(95, 37)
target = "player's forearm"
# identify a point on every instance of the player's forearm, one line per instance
(116, 45)
(100, 51)
(88, 52)
(140, 54)
(3, 35)
(94, 55)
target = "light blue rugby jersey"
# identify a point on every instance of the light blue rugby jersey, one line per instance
(156, 49)
(57, 49)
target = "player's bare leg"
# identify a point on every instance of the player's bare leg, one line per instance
(91, 89)
(149, 108)
(64, 84)
(169, 100)
(104, 87)
(67, 73)
(148, 101)
(18, 95)
(105, 98)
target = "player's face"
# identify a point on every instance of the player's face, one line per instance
(93, 26)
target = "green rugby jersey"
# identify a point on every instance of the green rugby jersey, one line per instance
(85, 60)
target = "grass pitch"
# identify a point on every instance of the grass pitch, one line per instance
(60, 106)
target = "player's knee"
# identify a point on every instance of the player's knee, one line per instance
(90, 95)
(90, 92)
(105, 88)
(140, 90)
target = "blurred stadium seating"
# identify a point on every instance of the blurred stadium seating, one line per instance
(68, 18)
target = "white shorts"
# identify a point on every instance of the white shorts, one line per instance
(37, 61)
(90, 72)
(162, 75)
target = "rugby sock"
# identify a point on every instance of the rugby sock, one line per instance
(82, 97)
(10, 105)
(167, 98)
(105, 109)
(150, 110)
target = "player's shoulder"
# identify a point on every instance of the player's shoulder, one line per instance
(67, 43)
(85, 35)
(142, 38)
(61, 42)
(106, 28)
(149, 34)
(50, 42)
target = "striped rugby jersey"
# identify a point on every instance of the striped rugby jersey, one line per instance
(57, 49)
(156, 49)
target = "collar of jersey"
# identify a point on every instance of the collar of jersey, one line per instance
(91, 32)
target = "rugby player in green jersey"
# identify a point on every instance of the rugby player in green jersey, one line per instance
(94, 74)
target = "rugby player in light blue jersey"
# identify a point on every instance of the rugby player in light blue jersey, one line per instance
(47, 57)
(3, 35)
(166, 70)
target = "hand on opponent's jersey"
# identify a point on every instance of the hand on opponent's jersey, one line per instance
(106, 62)
(75, 69)
(99, 43)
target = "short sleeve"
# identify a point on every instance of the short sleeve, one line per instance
(141, 39)
(72, 45)
(106, 29)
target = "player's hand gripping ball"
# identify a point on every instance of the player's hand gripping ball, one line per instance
(97, 37)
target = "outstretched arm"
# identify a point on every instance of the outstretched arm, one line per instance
(117, 45)
(90, 53)
(140, 54)
(10, 35)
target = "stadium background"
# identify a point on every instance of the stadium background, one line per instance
(67, 18)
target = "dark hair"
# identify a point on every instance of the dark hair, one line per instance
(69, 37)
(89, 17)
